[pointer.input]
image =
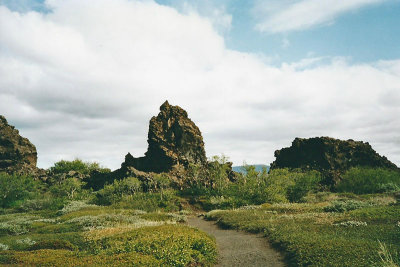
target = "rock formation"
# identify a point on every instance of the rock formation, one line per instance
(330, 156)
(17, 154)
(173, 140)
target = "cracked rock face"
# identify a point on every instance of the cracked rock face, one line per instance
(173, 140)
(330, 156)
(17, 154)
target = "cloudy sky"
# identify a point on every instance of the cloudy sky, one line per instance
(82, 78)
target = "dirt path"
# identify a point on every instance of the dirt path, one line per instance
(238, 248)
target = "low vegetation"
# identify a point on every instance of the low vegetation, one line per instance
(141, 221)
(60, 222)
(250, 187)
(84, 234)
(321, 234)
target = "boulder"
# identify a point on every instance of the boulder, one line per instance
(17, 154)
(173, 140)
(330, 156)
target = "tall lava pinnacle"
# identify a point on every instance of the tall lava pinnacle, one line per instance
(173, 140)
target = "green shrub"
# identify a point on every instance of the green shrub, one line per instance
(64, 166)
(255, 188)
(70, 188)
(15, 188)
(114, 192)
(304, 183)
(363, 180)
(48, 203)
(290, 185)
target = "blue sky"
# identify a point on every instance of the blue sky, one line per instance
(364, 34)
(368, 33)
(253, 75)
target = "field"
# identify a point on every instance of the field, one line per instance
(330, 230)
(132, 222)
(88, 235)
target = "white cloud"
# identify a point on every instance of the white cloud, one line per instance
(215, 12)
(291, 15)
(84, 80)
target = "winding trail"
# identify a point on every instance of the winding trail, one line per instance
(238, 248)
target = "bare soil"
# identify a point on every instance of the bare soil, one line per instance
(237, 248)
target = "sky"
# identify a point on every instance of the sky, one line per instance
(82, 78)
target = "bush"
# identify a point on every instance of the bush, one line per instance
(292, 185)
(362, 180)
(114, 192)
(70, 188)
(304, 183)
(41, 204)
(14, 188)
(64, 166)
(255, 188)
(150, 201)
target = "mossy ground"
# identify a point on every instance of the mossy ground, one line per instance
(102, 236)
(311, 236)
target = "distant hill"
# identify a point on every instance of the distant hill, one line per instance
(259, 168)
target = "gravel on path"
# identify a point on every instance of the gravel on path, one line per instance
(237, 248)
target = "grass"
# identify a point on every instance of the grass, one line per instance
(366, 234)
(83, 234)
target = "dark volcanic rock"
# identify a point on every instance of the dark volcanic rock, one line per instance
(330, 156)
(17, 154)
(173, 140)
(174, 143)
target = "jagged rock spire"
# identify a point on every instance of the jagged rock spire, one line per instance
(173, 139)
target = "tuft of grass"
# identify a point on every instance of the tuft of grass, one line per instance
(386, 256)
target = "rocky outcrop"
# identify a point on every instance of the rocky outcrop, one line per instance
(174, 143)
(330, 156)
(173, 140)
(17, 154)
